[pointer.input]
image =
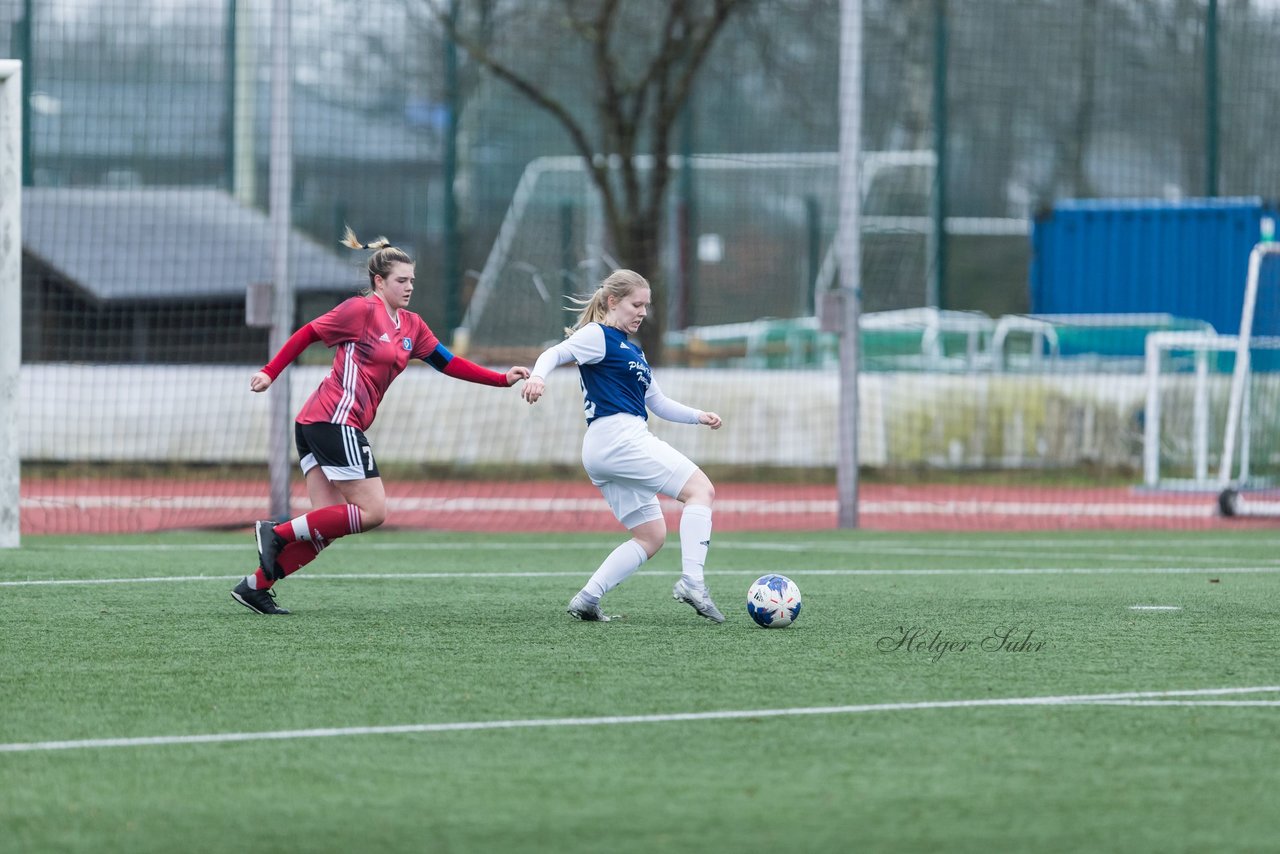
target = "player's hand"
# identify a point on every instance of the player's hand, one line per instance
(710, 419)
(517, 373)
(260, 381)
(533, 389)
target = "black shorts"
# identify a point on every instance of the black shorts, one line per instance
(342, 452)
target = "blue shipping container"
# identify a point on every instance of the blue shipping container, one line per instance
(1187, 258)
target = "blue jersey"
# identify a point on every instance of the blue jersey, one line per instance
(618, 382)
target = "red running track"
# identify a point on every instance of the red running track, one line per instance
(143, 505)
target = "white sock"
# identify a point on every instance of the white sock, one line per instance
(620, 563)
(695, 539)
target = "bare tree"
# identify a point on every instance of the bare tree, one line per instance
(644, 59)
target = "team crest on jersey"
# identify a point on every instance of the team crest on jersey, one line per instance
(407, 343)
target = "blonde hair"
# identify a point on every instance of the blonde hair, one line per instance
(383, 257)
(593, 309)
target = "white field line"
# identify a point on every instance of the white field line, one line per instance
(1044, 570)
(863, 549)
(347, 545)
(802, 573)
(1155, 607)
(822, 506)
(1228, 703)
(1125, 698)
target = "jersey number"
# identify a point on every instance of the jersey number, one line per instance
(368, 458)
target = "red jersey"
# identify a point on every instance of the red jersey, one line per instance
(372, 350)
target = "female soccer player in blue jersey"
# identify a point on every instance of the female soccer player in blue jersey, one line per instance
(629, 464)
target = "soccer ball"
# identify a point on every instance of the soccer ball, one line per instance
(774, 601)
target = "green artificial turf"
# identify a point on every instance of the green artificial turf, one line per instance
(892, 626)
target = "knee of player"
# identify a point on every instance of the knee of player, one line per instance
(372, 517)
(652, 541)
(652, 546)
(700, 491)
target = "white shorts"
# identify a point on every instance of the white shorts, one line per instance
(631, 466)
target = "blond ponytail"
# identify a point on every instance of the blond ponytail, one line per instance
(384, 255)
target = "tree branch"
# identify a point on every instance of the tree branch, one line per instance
(668, 110)
(530, 90)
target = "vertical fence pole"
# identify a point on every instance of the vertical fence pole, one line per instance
(11, 172)
(1211, 100)
(281, 191)
(849, 240)
(938, 275)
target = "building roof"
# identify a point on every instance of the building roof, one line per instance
(168, 244)
(187, 119)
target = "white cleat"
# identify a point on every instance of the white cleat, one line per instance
(699, 598)
(579, 608)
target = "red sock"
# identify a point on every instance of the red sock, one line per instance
(293, 557)
(323, 525)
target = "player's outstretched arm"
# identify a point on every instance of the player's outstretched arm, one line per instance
(464, 369)
(579, 347)
(298, 341)
(670, 410)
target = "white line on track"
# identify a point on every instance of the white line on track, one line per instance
(798, 506)
(799, 573)
(1119, 557)
(1125, 698)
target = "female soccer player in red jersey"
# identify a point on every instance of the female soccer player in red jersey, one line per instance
(374, 337)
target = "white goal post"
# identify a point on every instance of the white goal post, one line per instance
(1229, 500)
(1211, 403)
(10, 293)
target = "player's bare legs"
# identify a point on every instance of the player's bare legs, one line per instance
(369, 495)
(321, 490)
(650, 536)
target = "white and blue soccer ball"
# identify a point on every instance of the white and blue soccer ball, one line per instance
(773, 601)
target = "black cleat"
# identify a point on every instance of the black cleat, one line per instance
(1227, 502)
(258, 601)
(270, 545)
